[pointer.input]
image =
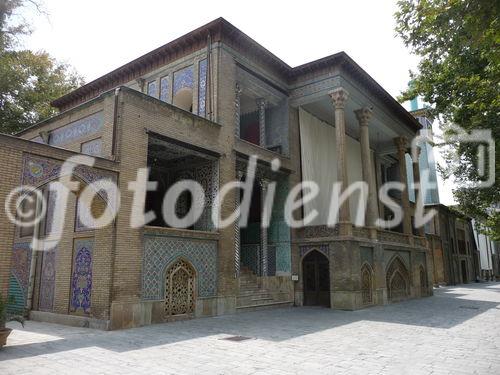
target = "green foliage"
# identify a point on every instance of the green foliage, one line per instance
(459, 75)
(29, 80)
(4, 317)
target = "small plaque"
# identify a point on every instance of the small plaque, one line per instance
(295, 277)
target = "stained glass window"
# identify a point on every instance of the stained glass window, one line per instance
(152, 89)
(202, 88)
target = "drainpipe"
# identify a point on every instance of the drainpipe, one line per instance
(34, 255)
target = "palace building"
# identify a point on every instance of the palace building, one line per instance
(198, 108)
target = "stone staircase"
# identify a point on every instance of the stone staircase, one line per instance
(252, 296)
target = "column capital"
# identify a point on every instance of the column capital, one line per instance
(339, 97)
(401, 143)
(237, 89)
(364, 115)
(261, 102)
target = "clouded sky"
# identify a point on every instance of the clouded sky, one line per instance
(98, 36)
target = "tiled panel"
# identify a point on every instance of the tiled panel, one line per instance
(37, 171)
(81, 280)
(202, 88)
(83, 214)
(93, 147)
(152, 89)
(47, 280)
(183, 78)
(19, 279)
(82, 128)
(164, 87)
(161, 251)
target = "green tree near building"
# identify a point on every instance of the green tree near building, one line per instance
(29, 80)
(458, 42)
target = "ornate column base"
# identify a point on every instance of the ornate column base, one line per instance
(345, 228)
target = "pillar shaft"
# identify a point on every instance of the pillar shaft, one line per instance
(261, 105)
(237, 239)
(263, 229)
(339, 97)
(419, 198)
(401, 143)
(237, 110)
(364, 115)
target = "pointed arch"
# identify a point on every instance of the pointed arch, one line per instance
(366, 284)
(180, 288)
(423, 281)
(397, 280)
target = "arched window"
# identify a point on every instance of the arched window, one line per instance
(366, 284)
(180, 288)
(423, 281)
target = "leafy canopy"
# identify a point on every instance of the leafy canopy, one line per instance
(459, 75)
(29, 80)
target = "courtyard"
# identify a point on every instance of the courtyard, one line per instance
(454, 332)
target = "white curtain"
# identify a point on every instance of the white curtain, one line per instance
(319, 164)
(319, 161)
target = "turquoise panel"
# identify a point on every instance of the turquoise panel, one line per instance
(17, 293)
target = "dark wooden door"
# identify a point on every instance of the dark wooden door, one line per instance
(316, 276)
(465, 279)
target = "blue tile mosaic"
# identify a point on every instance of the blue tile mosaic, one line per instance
(183, 78)
(161, 251)
(81, 128)
(164, 86)
(202, 88)
(81, 280)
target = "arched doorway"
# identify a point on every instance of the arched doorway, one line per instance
(316, 276)
(180, 288)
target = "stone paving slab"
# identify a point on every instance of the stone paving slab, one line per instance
(457, 331)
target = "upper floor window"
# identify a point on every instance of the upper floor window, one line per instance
(164, 88)
(152, 89)
(183, 89)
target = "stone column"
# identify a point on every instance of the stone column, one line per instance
(364, 115)
(261, 106)
(339, 97)
(237, 239)
(237, 110)
(263, 230)
(419, 198)
(401, 144)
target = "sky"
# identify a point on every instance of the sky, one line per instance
(96, 37)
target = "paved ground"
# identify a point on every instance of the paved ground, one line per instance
(455, 332)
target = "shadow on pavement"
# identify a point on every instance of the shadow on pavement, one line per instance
(450, 306)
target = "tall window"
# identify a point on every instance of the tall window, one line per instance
(183, 88)
(164, 88)
(202, 88)
(152, 89)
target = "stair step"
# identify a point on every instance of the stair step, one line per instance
(264, 306)
(253, 292)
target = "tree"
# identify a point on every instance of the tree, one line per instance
(29, 80)
(458, 42)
